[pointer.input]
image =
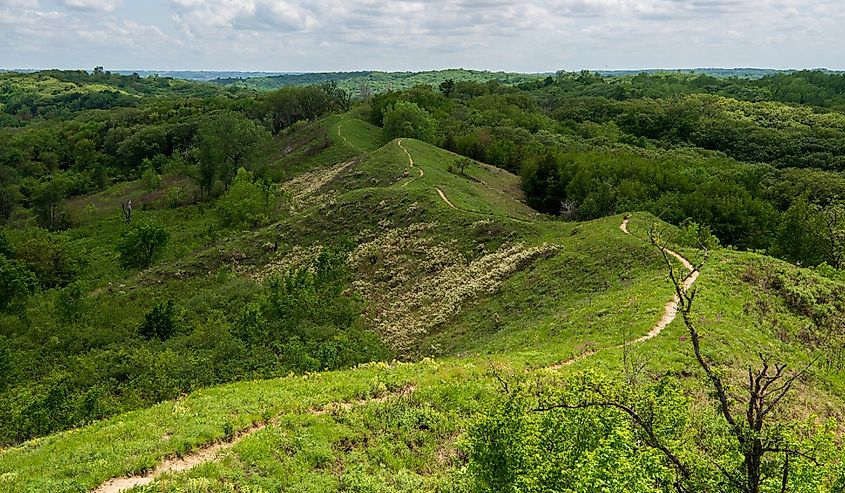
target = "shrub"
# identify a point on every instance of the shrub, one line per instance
(159, 323)
(245, 204)
(49, 256)
(142, 245)
(151, 180)
(17, 284)
(692, 234)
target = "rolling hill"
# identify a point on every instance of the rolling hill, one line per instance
(466, 286)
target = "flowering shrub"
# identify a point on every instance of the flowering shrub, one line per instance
(414, 283)
(303, 189)
(284, 262)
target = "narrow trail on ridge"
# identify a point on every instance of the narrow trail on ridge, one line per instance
(446, 199)
(212, 451)
(410, 159)
(670, 312)
(410, 163)
(348, 142)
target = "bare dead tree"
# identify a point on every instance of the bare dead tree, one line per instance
(766, 388)
(568, 209)
(126, 207)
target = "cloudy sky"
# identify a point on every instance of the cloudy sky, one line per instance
(329, 35)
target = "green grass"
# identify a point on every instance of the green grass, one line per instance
(600, 288)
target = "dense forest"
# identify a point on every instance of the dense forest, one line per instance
(367, 83)
(759, 162)
(751, 164)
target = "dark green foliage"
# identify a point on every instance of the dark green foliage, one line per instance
(227, 141)
(17, 284)
(142, 245)
(50, 256)
(288, 105)
(406, 119)
(800, 236)
(159, 323)
(5, 247)
(49, 205)
(9, 200)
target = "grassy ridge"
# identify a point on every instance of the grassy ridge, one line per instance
(598, 288)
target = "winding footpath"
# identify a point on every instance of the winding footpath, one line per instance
(670, 312)
(446, 199)
(213, 451)
(348, 142)
(410, 163)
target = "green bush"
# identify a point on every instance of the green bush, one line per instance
(245, 204)
(142, 245)
(49, 256)
(151, 180)
(159, 323)
(694, 235)
(406, 119)
(17, 284)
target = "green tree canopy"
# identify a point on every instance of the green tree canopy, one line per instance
(227, 141)
(406, 119)
(142, 245)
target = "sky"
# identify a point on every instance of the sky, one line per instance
(338, 35)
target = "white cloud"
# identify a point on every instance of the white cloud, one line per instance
(413, 34)
(96, 5)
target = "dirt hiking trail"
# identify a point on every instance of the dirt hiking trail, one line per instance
(669, 312)
(212, 452)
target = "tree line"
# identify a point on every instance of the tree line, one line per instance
(762, 174)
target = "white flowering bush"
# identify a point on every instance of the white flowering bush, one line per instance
(283, 263)
(413, 283)
(303, 189)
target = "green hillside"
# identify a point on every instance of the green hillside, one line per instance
(451, 266)
(475, 288)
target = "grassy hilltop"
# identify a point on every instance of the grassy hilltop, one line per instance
(355, 309)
